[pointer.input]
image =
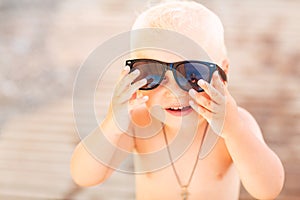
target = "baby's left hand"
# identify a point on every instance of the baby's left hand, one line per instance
(215, 104)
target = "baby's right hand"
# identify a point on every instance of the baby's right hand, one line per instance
(124, 99)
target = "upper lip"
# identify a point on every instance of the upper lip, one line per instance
(178, 103)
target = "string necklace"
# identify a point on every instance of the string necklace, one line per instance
(184, 187)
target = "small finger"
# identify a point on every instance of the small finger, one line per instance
(124, 72)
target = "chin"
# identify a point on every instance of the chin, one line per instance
(185, 120)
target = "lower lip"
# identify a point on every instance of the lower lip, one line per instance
(180, 112)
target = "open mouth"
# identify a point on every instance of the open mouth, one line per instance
(179, 110)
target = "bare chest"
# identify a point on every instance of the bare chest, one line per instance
(214, 177)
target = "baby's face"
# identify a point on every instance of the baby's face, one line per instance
(167, 102)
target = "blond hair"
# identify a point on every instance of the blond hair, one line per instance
(190, 19)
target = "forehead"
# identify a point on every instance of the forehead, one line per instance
(158, 54)
(165, 45)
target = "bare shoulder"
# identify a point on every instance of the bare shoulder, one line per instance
(251, 122)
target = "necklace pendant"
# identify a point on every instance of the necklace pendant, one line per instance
(184, 192)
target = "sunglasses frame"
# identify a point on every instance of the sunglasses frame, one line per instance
(173, 66)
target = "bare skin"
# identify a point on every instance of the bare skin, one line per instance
(215, 172)
(239, 155)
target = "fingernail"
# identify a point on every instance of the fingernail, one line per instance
(216, 74)
(143, 81)
(126, 68)
(145, 98)
(192, 92)
(191, 102)
(136, 71)
(201, 82)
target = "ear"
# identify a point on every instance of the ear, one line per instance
(225, 65)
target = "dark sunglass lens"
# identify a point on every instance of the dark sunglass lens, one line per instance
(152, 71)
(188, 74)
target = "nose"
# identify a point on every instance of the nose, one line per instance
(170, 83)
(168, 78)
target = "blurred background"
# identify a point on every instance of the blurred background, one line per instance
(44, 42)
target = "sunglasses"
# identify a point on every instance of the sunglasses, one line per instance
(186, 73)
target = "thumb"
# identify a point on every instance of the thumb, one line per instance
(134, 96)
(137, 101)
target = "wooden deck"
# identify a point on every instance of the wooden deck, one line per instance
(43, 44)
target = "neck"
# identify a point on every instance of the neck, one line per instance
(188, 125)
(189, 132)
(184, 186)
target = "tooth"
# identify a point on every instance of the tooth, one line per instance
(177, 108)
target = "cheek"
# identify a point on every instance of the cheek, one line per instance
(152, 101)
(154, 97)
(155, 106)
